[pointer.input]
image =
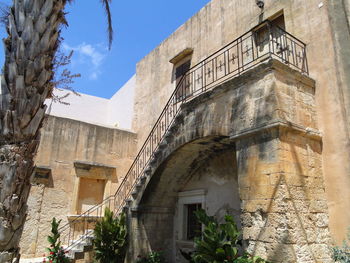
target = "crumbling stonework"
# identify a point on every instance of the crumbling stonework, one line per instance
(284, 207)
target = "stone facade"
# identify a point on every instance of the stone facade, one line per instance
(68, 148)
(271, 147)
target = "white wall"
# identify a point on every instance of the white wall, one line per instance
(121, 106)
(84, 108)
(116, 112)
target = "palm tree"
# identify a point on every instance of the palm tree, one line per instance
(33, 28)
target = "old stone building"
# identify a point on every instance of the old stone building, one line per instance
(243, 110)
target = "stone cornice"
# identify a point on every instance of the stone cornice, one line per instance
(280, 125)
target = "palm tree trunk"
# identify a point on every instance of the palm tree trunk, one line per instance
(33, 37)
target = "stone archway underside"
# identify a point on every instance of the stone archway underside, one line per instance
(189, 164)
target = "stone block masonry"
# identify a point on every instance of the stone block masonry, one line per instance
(284, 207)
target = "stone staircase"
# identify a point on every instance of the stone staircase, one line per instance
(141, 170)
(81, 251)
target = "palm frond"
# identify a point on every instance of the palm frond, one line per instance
(106, 4)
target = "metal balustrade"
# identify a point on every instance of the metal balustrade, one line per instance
(262, 42)
(77, 230)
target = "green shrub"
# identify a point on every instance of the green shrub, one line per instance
(219, 242)
(152, 257)
(110, 238)
(56, 251)
(342, 254)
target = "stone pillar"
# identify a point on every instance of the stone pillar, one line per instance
(284, 208)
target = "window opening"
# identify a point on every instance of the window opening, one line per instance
(184, 88)
(272, 30)
(182, 69)
(194, 227)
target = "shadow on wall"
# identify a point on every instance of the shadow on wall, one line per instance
(284, 210)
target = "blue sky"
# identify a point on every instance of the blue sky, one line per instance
(139, 27)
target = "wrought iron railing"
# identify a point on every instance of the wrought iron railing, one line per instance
(262, 42)
(78, 227)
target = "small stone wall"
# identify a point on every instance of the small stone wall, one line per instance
(72, 150)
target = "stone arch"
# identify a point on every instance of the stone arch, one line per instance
(207, 164)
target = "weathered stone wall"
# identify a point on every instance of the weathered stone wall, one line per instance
(220, 22)
(64, 142)
(336, 153)
(268, 116)
(284, 207)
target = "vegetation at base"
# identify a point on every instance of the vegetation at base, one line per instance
(56, 251)
(219, 243)
(110, 238)
(152, 257)
(342, 254)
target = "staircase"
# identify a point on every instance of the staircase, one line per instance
(81, 246)
(231, 61)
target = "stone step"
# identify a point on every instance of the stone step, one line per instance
(31, 260)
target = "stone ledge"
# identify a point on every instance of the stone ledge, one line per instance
(279, 124)
(184, 53)
(83, 217)
(88, 165)
(94, 170)
(31, 260)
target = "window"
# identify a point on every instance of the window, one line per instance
(262, 34)
(182, 63)
(184, 85)
(42, 175)
(187, 224)
(182, 69)
(194, 227)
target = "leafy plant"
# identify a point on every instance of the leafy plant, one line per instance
(56, 251)
(152, 257)
(110, 238)
(342, 254)
(219, 242)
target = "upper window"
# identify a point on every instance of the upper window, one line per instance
(183, 87)
(262, 33)
(182, 63)
(182, 69)
(279, 21)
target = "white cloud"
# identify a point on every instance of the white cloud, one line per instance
(91, 56)
(94, 75)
